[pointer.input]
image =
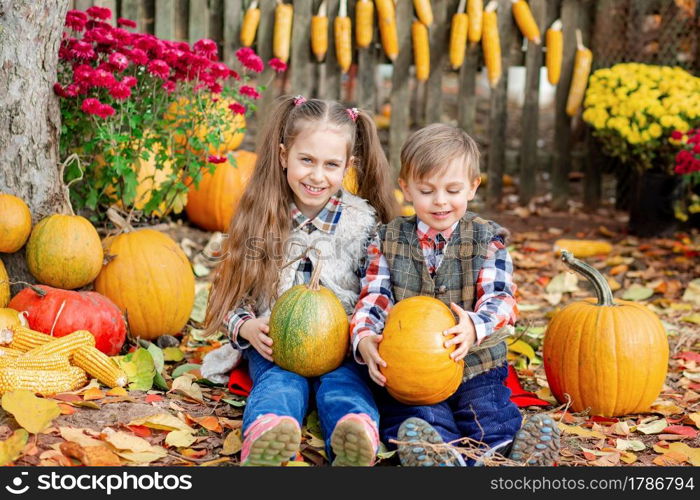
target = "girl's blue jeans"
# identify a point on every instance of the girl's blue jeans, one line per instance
(281, 392)
(480, 409)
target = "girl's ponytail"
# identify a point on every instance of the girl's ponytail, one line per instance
(374, 179)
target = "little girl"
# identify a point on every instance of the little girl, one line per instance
(295, 202)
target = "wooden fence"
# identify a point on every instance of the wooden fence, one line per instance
(423, 102)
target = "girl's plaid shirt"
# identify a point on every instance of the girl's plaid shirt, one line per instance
(326, 221)
(495, 291)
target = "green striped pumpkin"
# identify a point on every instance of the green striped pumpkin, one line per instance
(309, 329)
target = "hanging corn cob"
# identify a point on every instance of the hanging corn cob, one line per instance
(491, 44)
(44, 382)
(555, 50)
(424, 11)
(579, 79)
(319, 33)
(342, 31)
(364, 23)
(64, 346)
(458, 36)
(251, 19)
(281, 38)
(100, 366)
(475, 11)
(47, 362)
(387, 28)
(526, 21)
(421, 50)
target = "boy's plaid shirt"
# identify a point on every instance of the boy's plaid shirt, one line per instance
(326, 221)
(495, 291)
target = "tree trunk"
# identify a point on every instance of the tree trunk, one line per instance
(30, 119)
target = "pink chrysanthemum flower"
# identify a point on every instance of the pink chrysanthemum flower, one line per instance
(120, 91)
(99, 12)
(123, 21)
(277, 64)
(158, 68)
(237, 108)
(250, 92)
(118, 61)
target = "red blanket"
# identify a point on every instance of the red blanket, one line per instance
(239, 383)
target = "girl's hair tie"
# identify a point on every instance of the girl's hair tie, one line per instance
(352, 112)
(299, 100)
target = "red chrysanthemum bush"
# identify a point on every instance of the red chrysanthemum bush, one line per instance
(687, 165)
(117, 88)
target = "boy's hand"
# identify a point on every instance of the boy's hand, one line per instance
(256, 332)
(370, 355)
(464, 333)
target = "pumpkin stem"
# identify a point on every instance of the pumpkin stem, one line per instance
(34, 288)
(120, 222)
(66, 187)
(600, 285)
(316, 274)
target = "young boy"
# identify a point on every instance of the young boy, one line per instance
(459, 258)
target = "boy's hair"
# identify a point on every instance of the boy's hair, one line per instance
(431, 149)
(262, 221)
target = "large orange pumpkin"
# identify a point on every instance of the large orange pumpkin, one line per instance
(15, 223)
(4, 286)
(419, 369)
(230, 137)
(212, 205)
(150, 279)
(610, 357)
(64, 251)
(309, 329)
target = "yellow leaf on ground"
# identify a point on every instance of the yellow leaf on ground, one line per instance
(692, 454)
(628, 457)
(695, 417)
(210, 423)
(232, 443)
(546, 394)
(653, 427)
(666, 409)
(93, 393)
(143, 457)
(693, 318)
(117, 391)
(125, 441)
(33, 413)
(180, 439)
(522, 347)
(97, 456)
(185, 385)
(630, 444)
(78, 436)
(11, 448)
(295, 463)
(163, 421)
(580, 431)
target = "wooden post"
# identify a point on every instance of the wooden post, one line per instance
(466, 107)
(330, 87)
(199, 20)
(134, 10)
(264, 44)
(531, 106)
(165, 19)
(111, 5)
(300, 52)
(233, 17)
(367, 60)
(439, 51)
(562, 123)
(399, 85)
(215, 28)
(498, 116)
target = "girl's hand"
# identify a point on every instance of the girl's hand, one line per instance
(464, 333)
(256, 332)
(370, 355)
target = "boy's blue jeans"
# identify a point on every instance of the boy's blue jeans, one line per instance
(480, 409)
(281, 392)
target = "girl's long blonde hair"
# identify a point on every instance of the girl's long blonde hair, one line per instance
(253, 253)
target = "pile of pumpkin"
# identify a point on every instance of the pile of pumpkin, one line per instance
(140, 276)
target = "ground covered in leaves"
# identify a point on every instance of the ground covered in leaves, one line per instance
(171, 416)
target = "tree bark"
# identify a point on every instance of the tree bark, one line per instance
(30, 120)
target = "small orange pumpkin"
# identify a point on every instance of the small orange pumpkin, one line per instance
(150, 279)
(64, 251)
(15, 223)
(212, 205)
(419, 369)
(610, 357)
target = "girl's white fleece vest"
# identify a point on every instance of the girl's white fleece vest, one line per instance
(341, 253)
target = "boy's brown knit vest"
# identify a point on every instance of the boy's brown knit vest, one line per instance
(454, 280)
